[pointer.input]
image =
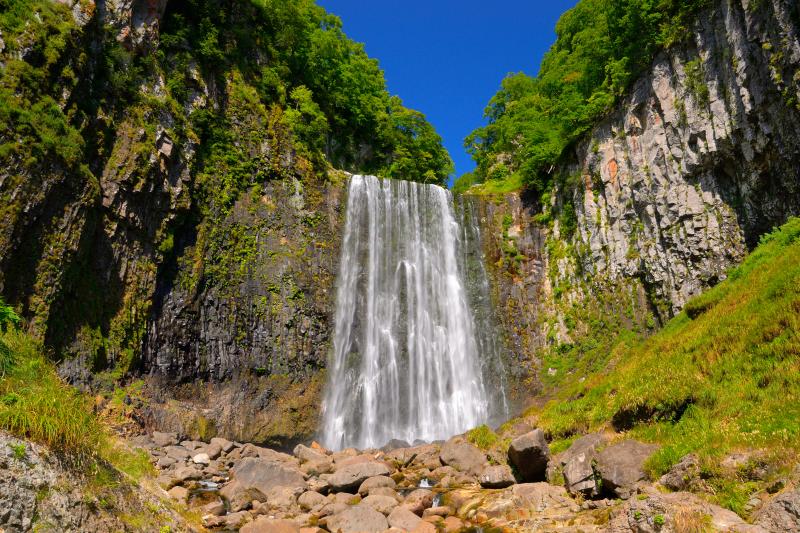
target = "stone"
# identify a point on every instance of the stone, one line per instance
(530, 454)
(311, 500)
(782, 513)
(441, 510)
(375, 482)
(224, 444)
(164, 439)
(265, 475)
(212, 450)
(418, 500)
(357, 519)
(403, 518)
(496, 477)
(306, 454)
(315, 468)
(351, 476)
(621, 466)
(216, 508)
(179, 453)
(462, 456)
(264, 524)
(580, 476)
(424, 527)
(382, 504)
(187, 473)
(180, 494)
(452, 524)
(386, 491)
(201, 459)
(682, 475)
(165, 462)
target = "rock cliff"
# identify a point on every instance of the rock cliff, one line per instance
(665, 194)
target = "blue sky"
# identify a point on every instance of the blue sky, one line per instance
(446, 58)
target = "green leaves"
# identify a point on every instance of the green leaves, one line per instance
(602, 46)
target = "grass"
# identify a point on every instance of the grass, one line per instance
(37, 405)
(483, 437)
(723, 375)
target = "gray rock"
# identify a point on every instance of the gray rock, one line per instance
(403, 518)
(179, 494)
(264, 524)
(782, 513)
(357, 519)
(306, 454)
(580, 476)
(682, 475)
(224, 444)
(375, 482)
(179, 453)
(621, 466)
(187, 473)
(386, 491)
(162, 440)
(201, 459)
(496, 477)
(530, 454)
(351, 476)
(463, 456)
(165, 462)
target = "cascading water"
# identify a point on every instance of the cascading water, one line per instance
(407, 361)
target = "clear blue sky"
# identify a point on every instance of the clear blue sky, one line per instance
(446, 58)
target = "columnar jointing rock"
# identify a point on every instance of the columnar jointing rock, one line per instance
(406, 356)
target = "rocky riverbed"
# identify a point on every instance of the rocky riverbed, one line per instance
(598, 484)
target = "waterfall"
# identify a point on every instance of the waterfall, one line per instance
(407, 360)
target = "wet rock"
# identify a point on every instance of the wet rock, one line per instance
(403, 518)
(496, 477)
(351, 476)
(463, 456)
(782, 513)
(418, 501)
(374, 483)
(357, 519)
(621, 466)
(530, 454)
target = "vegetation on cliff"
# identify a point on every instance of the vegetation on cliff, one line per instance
(600, 49)
(721, 376)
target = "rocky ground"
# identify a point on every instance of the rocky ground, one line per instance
(598, 484)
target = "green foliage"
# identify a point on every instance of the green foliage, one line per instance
(20, 451)
(723, 380)
(483, 437)
(37, 405)
(600, 49)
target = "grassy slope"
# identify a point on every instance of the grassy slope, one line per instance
(724, 375)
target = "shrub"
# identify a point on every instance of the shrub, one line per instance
(482, 436)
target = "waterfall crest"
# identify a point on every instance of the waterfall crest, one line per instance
(407, 361)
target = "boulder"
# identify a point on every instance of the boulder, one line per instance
(418, 501)
(215, 508)
(306, 454)
(224, 444)
(351, 476)
(496, 477)
(164, 439)
(580, 476)
(201, 459)
(453, 524)
(265, 475)
(530, 454)
(179, 453)
(382, 504)
(357, 519)
(621, 466)
(263, 524)
(165, 462)
(403, 518)
(213, 450)
(442, 511)
(463, 456)
(386, 491)
(683, 475)
(311, 500)
(374, 483)
(187, 473)
(180, 494)
(782, 513)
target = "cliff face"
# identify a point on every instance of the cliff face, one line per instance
(665, 194)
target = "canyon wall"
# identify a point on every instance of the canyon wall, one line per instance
(665, 195)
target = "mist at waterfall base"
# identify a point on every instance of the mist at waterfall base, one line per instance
(415, 352)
